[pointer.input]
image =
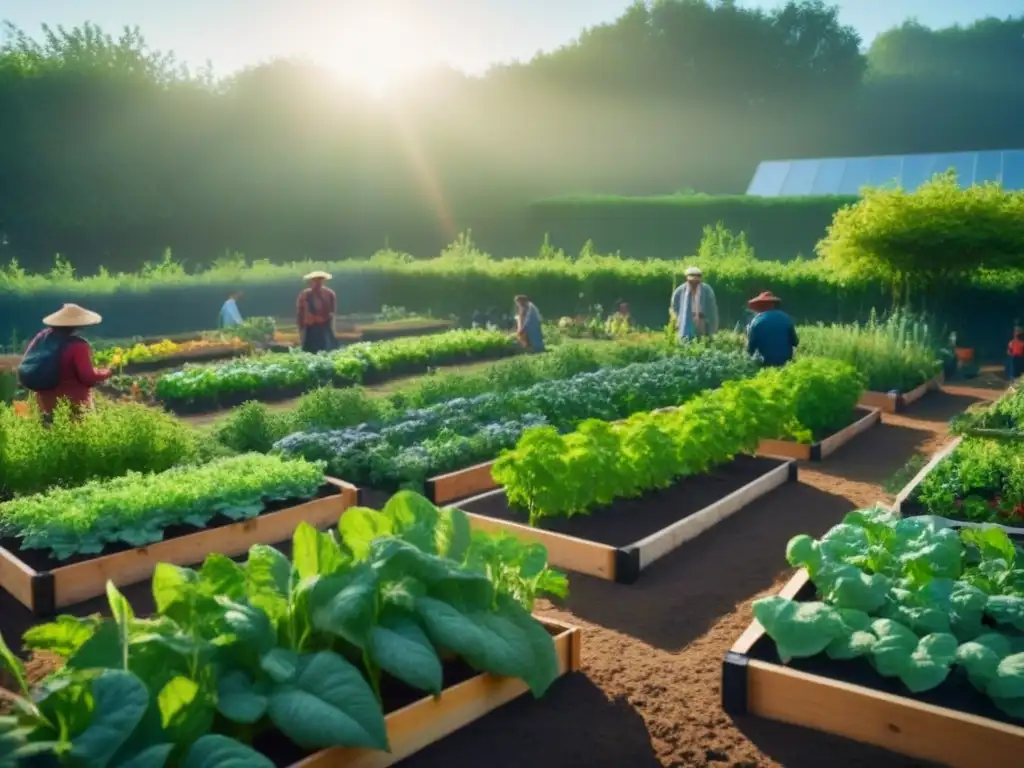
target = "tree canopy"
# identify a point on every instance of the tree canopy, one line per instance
(111, 151)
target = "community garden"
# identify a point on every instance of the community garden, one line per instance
(362, 557)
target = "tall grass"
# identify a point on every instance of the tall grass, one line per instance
(895, 353)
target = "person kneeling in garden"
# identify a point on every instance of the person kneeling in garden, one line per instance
(314, 314)
(771, 333)
(58, 364)
(694, 307)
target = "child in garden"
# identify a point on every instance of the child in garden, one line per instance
(1015, 354)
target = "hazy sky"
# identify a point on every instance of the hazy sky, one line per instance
(380, 40)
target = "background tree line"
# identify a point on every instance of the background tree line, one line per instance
(111, 152)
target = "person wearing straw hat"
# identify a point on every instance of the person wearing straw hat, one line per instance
(315, 314)
(58, 364)
(771, 333)
(694, 307)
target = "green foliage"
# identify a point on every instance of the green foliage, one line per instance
(673, 226)
(551, 474)
(821, 394)
(1006, 414)
(301, 647)
(136, 508)
(914, 598)
(897, 354)
(919, 240)
(981, 481)
(110, 441)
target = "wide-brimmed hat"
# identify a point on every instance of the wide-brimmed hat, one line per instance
(694, 272)
(318, 274)
(766, 299)
(72, 316)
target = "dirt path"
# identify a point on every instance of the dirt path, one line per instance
(649, 691)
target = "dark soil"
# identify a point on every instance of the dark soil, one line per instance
(40, 560)
(630, 520)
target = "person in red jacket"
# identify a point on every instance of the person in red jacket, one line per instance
(68, 359)
(1015, 352)
(314, 314)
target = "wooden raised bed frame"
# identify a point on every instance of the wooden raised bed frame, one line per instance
(624, 564)
(44, 592)
(429, 720)
(897, 403)
(818, 451)
(922, 731)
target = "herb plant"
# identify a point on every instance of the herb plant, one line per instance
(915, 598)
(300, 647)
(136, 509)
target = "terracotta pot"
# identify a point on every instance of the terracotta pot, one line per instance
(964, 354)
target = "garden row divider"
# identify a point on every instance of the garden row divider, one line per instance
(893, 402)
(908, 507)
(430, 719)
(823, 448)
(751, 686)
(44, 592)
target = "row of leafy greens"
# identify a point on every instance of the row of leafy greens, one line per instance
(296, 646)
(551, 474)
(915, 597)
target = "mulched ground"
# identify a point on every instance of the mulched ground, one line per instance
(648, 694)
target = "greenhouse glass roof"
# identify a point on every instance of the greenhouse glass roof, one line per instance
(846, 175)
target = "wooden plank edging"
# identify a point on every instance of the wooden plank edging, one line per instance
(430, 719)
(624, 564)
(895, 402)
(817, 451)
(908, 490)
(900, 724)
(45, 592)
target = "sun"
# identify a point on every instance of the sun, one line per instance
(377, 50)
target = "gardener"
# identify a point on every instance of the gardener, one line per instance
(1015, 354)
(230, 317)
(315, 314)
(58, 364)
(528, 324)
(694, 307)
(771, 333)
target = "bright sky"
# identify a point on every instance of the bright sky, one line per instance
(379, 42)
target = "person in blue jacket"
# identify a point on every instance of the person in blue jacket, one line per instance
(771, 333)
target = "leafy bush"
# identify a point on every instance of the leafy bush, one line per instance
(821, 393)
(981, 481)
(895, 355)
(464, 431)
(913, 597)
(1007, 413)
(110, 441)
(136, 509)
(301, 647)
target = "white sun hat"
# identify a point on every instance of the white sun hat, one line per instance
(72, 316)
(694, 272)
(318, 275)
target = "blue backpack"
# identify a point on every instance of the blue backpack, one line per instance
(39, 370)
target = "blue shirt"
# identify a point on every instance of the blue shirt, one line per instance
(773, 335)
(229, 314)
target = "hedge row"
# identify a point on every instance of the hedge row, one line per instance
(131, 305)
(668, 227)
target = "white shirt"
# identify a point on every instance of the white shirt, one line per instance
(229, 314)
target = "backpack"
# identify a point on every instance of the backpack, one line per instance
(39, 370)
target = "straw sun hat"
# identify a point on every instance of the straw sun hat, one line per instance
(694, 272)
(765, 300)
(318, 275)
(72, 316)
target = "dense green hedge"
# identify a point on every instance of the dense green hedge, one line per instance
(135, 305)
(671, 226)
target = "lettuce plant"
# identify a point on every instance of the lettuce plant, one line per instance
(913, 596)
(297, 646)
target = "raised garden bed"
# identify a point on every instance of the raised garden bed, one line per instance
(907, 504)
(619, 541)
(897, 402)
(415, 725)
(862, 419)
(44, 585)
(204, 355)
(953, 725)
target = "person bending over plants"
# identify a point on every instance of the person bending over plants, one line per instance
(528, 324)
(771, 333)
